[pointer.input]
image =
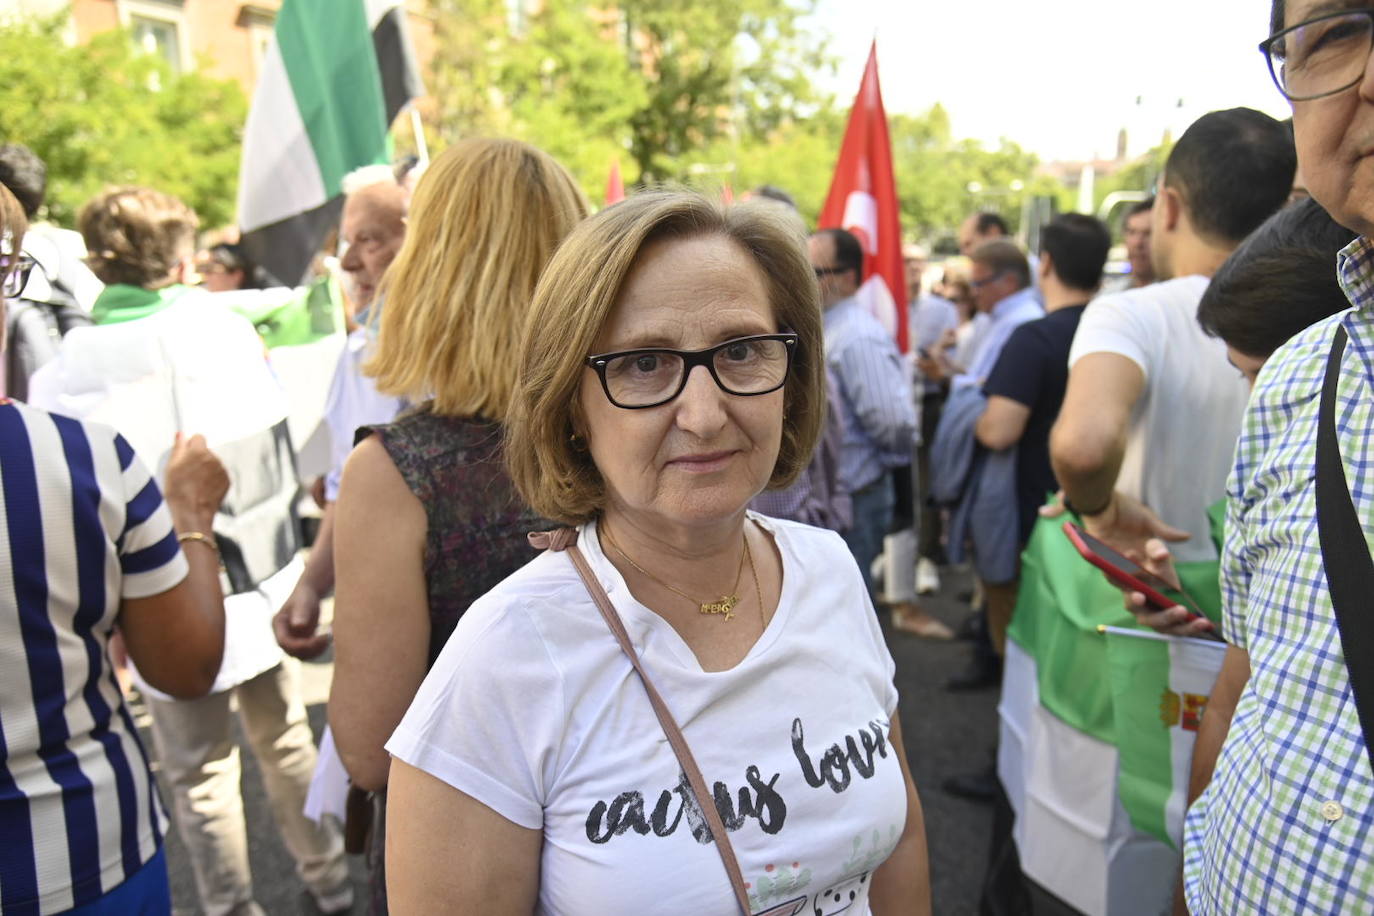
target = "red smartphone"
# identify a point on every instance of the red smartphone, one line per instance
(1127, 573)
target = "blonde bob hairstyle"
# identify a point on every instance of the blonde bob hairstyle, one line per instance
(484, 220)
(575, 298)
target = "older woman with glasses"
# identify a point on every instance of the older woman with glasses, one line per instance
(671, 370)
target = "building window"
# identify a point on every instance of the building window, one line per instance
(158, 27)
(157, 36)
(259, 21)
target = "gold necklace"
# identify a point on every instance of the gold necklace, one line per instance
(724, 605)
(754, 574)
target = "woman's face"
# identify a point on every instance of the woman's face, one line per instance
(702, 456)
(1248, 365)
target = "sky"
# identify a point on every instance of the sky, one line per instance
(1060, 77)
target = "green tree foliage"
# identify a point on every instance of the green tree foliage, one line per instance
(104, 113)
(470, 41)
(561, 80)
(941, 180)
(798, 157)
(715, 68)
(708, 93)
(666, 86)
(1140, 175)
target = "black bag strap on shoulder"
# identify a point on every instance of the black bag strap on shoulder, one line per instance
(1345, 552)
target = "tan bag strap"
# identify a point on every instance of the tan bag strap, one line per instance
(565, 539)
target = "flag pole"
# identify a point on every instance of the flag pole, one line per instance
(418, 128)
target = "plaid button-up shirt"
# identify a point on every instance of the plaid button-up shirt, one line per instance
(1287, 823)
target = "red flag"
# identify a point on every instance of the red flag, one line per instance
(615, 188)
(863, 199)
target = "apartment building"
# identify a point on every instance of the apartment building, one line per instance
(228, 38)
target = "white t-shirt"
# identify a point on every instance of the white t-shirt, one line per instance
(533, 710)
(353, 401)
(1185, 425)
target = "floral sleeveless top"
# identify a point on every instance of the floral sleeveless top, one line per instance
(477, 521)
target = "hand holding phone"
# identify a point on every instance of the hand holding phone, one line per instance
(1131, 577)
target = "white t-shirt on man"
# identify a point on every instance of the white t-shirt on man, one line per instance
(533, 710)
(1184, 427)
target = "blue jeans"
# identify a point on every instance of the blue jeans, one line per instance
(873, 506)
(144, 893)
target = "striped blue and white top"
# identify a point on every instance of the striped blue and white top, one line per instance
(82, 526)
(874, 395)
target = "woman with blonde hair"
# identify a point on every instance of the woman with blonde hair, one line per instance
(672, 369)
(427, 517)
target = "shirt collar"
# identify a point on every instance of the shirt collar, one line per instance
(833, 314)
(120, 302)
(1355, 270)
(1012, 302)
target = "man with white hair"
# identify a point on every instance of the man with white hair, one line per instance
(370, 236)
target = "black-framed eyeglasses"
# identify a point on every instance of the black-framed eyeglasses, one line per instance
(648, 377)
(979, 284)
(16, 275)
(830, 271)
(1322, 56)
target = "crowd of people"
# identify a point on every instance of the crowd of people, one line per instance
(602, 621)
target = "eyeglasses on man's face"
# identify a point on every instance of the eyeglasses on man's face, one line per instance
(15, 270)
(822, 272)
(648, 377)
(985, 281)
(1322, 56)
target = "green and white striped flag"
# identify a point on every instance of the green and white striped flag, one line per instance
(334, 77)
(1160, 686)
(1089, 774)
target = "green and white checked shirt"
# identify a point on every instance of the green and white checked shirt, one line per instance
(1287, 823)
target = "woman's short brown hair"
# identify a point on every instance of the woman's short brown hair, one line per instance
(136, 235)
(574, 300)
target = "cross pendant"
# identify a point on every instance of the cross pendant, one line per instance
(725, 606)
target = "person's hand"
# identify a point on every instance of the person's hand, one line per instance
(1054, 508)
(196, 481)
(949, 339)
(317, 492)
(932, 369)
(1127, 524)
(1173, 621)
(297, 623)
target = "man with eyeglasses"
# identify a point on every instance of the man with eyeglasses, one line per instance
(1001, 282)
(1286, 821)
(1000, 279)
(873, 395)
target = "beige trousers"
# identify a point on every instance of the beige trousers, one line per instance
(200, 763)
(999, 601)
